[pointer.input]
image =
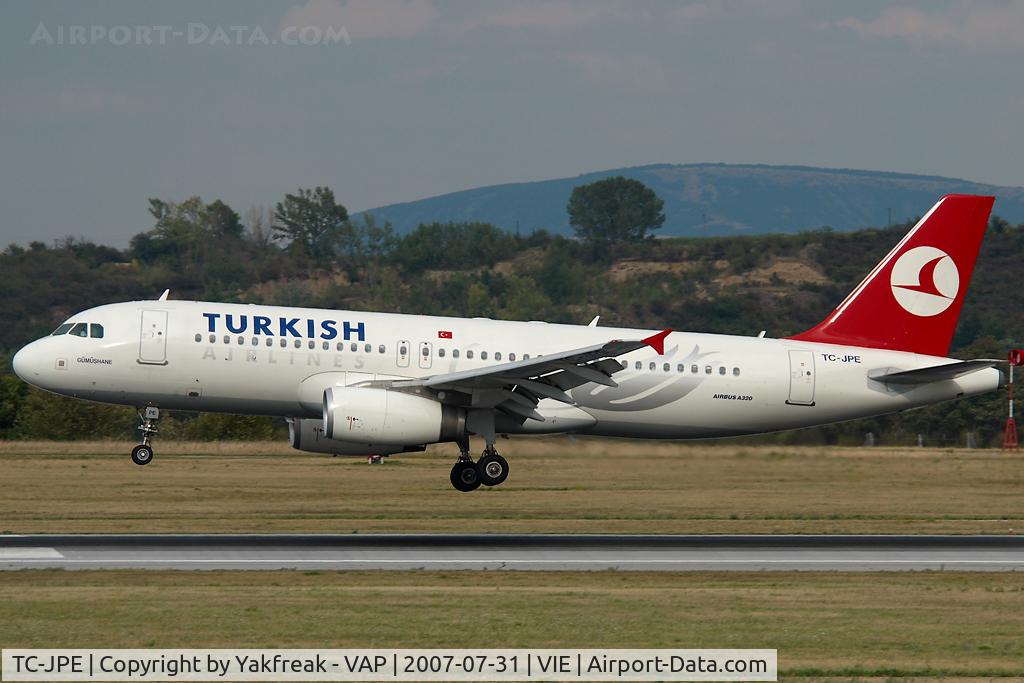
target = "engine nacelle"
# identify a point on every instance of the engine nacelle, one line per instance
(308, 435)
(383, 417)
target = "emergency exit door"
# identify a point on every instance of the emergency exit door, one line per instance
(403, 352)
(801, 378)
(153, 338)
(426, 354)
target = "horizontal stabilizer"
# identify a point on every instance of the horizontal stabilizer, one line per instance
(936, 373)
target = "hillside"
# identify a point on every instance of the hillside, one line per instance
(715, 199)
(740, 285)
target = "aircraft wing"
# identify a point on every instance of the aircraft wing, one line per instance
(518, 386)
(937, 373)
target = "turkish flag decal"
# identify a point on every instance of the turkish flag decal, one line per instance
(444, 334)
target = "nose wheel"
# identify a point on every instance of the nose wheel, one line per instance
(143, 453)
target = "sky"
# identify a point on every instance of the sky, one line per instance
(105, 104)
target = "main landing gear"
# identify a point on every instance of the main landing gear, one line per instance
(143, 453)
(490, 470)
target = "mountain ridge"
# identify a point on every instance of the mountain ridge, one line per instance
(715, 199)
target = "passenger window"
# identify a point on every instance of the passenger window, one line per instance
(707, 369)
(455, 353)
(526, 356)
(327, 346)
(312, 344)
(80, 330)
(354, 347)
(469, 354)
(440, 353)
(255, 341)
(511, 356)
(736, 372)
(367, 348)
(694, 369)
(241, 340)
(666, 367)
(652, 366)
(270, 342)
(227, 339)
(721, 370)
(497, 355)
(298, 343)
(680, 368)
(638, 365)
(341, 346)
(199, 338)
(403, 350)
(62, 329)
(96, 331)
(284, 342)
(426, 351)
(483, 355)
(381, 349)
(213, 339)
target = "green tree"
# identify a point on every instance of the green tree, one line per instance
(614, 210)
(313, 223)
(454, 245)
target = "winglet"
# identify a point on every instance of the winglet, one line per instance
(163, 297)
(657, 341)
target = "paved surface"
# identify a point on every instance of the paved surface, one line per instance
(531, 552)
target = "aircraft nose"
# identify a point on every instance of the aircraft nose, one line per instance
(26, 363)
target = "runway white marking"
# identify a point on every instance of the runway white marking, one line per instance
(29, 554)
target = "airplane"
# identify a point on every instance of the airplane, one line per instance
(355, 383)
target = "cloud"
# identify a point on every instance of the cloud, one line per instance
(988, 26)
(365, 18)
(548, 16)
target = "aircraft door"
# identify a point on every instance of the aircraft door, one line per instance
(801, 378)
(153, 338)
(403, 353)
(426, 354)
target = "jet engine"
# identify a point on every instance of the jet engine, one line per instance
(382, 417)
(308, 435)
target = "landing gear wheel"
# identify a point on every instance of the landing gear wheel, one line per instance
(142, 454)
(465, 476)
(493, 469)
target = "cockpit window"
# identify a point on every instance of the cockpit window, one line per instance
(80, 330)
(63, 329)
(96, 331)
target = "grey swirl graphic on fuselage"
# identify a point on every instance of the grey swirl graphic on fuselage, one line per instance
(646, 389)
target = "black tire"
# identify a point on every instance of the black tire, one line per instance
(493, 469)
(465, 477)
(142, 455)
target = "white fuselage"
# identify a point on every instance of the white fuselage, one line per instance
(277, 361)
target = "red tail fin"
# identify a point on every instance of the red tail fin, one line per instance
(912, 299)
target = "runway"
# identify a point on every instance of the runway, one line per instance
(514, 552)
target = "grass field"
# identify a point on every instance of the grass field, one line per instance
(826, 626)
(929, 625)
(591, 486)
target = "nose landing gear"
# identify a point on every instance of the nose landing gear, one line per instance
(143, 453)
